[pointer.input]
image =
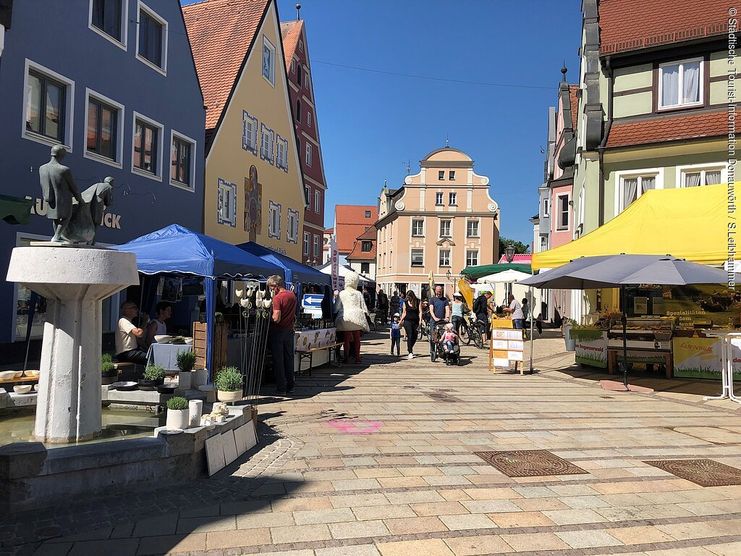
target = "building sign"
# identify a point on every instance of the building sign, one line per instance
(109, 220)
(335, 259)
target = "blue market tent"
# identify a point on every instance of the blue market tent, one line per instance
(294, 270)
(178, 250)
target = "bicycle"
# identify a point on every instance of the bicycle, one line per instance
(472, 330)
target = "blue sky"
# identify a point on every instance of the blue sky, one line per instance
(372, 123)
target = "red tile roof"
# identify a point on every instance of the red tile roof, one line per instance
(574, 102)
(221, 33)
(290, 31)
(357, 254)
(627, 25)
(350, 222)
(662, 129)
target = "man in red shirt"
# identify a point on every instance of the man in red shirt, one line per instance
(280, 335)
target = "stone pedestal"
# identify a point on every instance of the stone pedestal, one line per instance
(74, 280)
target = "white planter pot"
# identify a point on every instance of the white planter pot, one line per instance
(195, 411)
(229, 396)
(185, 380)
(568, 340)
(200, 377)
(177, 419)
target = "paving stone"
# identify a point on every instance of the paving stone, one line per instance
(520, 519)
(414, 525)
(534, 541)
(358, 529)
(588, 539)
(640, 535)
(490, 506)
(480, 544)
(237, 539)
(471, 521)
(54, 549)
(570, 517)
(264, 519)
(429, 547)
(157, 526)
(383, 512)
(300, 533)
(323, 516)
(439, 508)
(117, 547)
(359, 500)
(413, 497)
(357, 550)
(172, 544)
(301, 504)
(206, 524)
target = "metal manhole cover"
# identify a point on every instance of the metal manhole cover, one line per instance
(703, 472)
(529, 463)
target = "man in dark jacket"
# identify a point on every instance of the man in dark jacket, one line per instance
(481, 310)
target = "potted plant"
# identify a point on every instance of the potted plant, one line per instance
(177, 413)
(229, 384)
(108, 371)
(566, 327)
(154, 375)
(186, 362)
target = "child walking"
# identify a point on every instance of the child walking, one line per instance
(395, 332)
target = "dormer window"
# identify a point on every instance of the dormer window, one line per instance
(680, 84)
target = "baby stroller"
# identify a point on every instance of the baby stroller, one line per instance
(450, 346)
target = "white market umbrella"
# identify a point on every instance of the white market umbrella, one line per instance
(505, 277)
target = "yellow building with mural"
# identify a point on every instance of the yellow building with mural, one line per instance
(254, 184)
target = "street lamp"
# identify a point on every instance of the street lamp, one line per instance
(449, 276)
(509, 252)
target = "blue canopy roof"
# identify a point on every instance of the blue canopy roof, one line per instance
(294, 270)
(178, 249)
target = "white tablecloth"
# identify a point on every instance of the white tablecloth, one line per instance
(166, 355)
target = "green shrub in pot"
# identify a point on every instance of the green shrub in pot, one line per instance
(177, 403)
(186, 361)
(228, 384)
(177, 413)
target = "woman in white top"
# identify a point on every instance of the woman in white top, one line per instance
(158, 326)
(457, 310)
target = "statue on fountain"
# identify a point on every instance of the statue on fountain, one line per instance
(75, 216)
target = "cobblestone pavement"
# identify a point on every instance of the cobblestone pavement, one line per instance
(380, 459)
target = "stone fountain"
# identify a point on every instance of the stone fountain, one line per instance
(74, 277)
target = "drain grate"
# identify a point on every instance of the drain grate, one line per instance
(703, 472)
(529, 463)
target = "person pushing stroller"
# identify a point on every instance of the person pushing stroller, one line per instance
(450, 345)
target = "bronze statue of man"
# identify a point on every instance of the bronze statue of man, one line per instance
(58, 189)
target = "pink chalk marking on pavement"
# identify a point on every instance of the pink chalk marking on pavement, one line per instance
(353, 426)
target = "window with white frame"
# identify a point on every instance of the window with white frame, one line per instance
(364, 268)
(441, 175)
(444, 257)
(366, 246)
(292, 228)
(151, 38)
(307, 243)
(268, 60)
(309, 153)
(274, 220)
(546, 207)
(108, 18)
(318, 202)
(309, 120)
(307, 195)
(563, 212)
(472, 228)
(681, 84)
(146, 146)
(631, 187)
(317, 243)
(249, 132)
(439, 198)
(418, 228)
(49, 105)
(182, 160)
(451, 175)
(418, 257)
(706, 175)
(267, 139)
(472, 257)
(227, 203)
(307, 81)
(452, 199)
(445, 227)
(104, 127)
(293, 65)
(281, 153)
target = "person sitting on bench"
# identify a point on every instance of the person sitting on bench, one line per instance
(127, 349)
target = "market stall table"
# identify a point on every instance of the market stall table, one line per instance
(166, 355)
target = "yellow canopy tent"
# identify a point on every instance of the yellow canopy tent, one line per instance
(690, 223)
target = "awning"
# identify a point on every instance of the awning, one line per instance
(689, 223)
(476, 272)
(15, 210)
(294, 270)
